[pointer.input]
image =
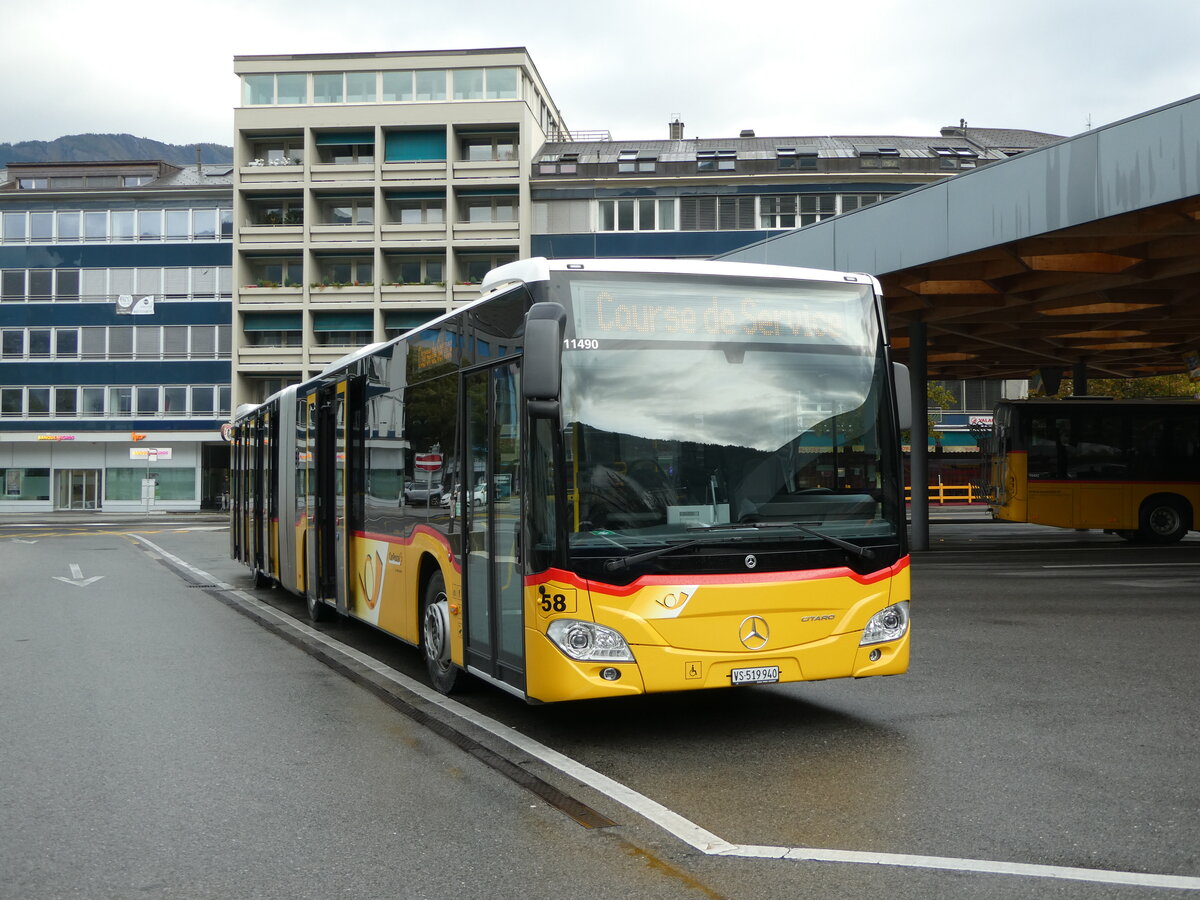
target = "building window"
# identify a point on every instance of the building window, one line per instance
(852, 202)
(487, 209)
(488, 147)
(12, 343)
(360, 87)
(559, 164)
(647, 214)
(796, 158)
(955, 157)
(41, 226)
(263, 90)
(502, 83)
(275, 338)
(416, 211)
(717, 213)
(275, 211)
(41, 285)
(38, 401)
(631, 161)
(33, 184)
(328, 87)
(66, 401)
(879, 158)
(796, 210)
(346, 149)
(277, 273)
(468, 84)
(12, 285)
(66, 343)
(345, 271)
(716, 160)
(417, 270)
(277, 152)
(14, 226)
(347, 211)
(472, 268)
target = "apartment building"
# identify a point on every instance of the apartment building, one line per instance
(702, 197)
(372, 192)
(115, 337)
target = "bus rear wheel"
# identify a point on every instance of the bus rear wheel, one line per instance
(435, 636)
(1163, 520)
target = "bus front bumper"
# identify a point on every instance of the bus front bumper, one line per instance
(552, 676)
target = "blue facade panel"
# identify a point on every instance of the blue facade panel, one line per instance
(669, 244)
(87, 256)
(193, 312)
(150, 371)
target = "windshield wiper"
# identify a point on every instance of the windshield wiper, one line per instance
(856, 549)
(624, 562)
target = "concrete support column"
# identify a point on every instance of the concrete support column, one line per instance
(918, 366)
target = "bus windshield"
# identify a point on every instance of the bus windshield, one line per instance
(701, 409)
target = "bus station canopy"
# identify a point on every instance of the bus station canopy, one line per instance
(1085, 252)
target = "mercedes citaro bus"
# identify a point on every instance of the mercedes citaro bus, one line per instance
(657, 476)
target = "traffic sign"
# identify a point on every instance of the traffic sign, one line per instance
(428, 462)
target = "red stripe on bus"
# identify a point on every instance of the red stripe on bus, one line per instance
(563, 576)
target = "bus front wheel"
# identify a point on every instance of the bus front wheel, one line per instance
(1163, 520)
(435, 636)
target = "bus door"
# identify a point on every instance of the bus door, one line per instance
(254, 498)
(235, 493)
(491, 503)
(325, 495)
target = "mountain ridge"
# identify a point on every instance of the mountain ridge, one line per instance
(102, 147)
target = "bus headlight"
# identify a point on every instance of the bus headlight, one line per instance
(888, 624)
(587, 641)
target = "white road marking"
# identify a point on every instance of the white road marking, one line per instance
(683, 829)
(77, 578)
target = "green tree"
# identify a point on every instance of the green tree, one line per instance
(1178, 385)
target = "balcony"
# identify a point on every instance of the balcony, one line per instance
(499, 171)
(332, 172)
(266, 293)
(271, 174)
(423, 171)
(266, 358)
(509, 232)
(335, 233)
(342, 294)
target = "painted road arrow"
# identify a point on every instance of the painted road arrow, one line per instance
(77, 578)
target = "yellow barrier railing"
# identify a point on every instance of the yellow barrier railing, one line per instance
(951, 493)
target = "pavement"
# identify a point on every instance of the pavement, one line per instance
(81, 516)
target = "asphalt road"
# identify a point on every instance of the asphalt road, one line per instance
(158, 742)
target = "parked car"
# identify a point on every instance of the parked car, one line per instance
(420, 493)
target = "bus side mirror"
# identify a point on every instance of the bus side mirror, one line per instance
(541, 368)
(903, 395)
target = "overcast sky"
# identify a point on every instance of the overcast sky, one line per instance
(792, 67)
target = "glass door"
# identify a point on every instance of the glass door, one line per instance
(492, 505)
(77, 489)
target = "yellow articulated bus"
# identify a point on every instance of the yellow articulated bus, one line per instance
(602, 478)
(1131, 467)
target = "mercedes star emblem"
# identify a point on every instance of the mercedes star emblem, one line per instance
(754, 632)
